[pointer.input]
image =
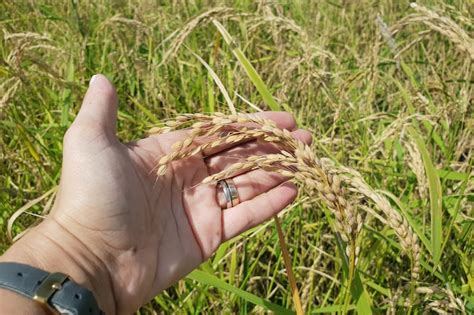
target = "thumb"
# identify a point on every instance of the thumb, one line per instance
(98, 112)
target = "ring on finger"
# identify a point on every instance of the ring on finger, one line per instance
(230, 192)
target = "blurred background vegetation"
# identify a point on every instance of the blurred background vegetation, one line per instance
(355, 73)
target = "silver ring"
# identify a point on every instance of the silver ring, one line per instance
(230, 192)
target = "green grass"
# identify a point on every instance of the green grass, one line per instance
(324, 61)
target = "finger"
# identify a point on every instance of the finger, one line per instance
(200, 205)
(253, 212)
(98, 112)
(303, 135)
(251, 184)
(219, 162)
(283, 120)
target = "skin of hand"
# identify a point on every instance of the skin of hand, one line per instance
(124, 233)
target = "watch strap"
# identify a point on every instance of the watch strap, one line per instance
(54, 289)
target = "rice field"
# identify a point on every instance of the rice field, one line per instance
(384, 219)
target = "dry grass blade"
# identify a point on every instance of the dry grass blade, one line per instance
(25, 208)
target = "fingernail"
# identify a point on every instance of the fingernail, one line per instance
(92, 79)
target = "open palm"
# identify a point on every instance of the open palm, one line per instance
(150, 231)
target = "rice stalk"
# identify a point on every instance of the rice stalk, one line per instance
(8, 93)
(441, 300)
(207, 126)
(440, 24)
(298, 162)
(178, 37)
(295, 160)
(407, 238)
(26, 36)
(415, 162)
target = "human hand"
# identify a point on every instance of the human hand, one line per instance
(127, 234)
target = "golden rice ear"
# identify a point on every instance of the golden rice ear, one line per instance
(446, 27)
(407, 238)
(301, 156)
(297, 161)
(162, 170)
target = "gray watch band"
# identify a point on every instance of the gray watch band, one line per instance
(66, 297)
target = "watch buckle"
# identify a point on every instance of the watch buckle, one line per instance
(52, 283)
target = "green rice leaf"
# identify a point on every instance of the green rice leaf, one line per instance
(66, 96)
(363, 302)
(209, 279)
(436, 195)
(249, 69)
(331, 309)
(218, 81)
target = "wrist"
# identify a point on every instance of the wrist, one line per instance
(52, 248)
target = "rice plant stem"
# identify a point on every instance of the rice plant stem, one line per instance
(286, 259)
